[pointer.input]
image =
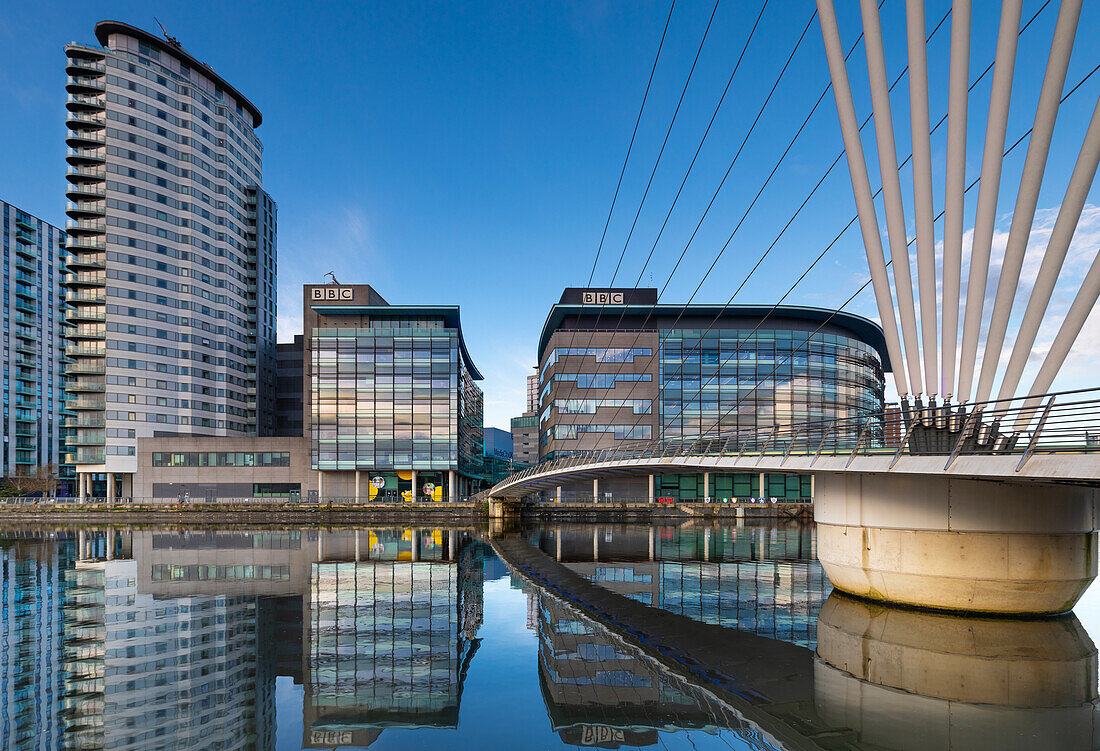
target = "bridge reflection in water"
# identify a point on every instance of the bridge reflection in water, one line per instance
(136, 639)
(617, 672)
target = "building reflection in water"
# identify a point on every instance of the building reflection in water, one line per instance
(762, 580)
(179, 636)
(148, 639)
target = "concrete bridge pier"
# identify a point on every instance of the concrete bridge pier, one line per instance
(909, 680)
(957, 544)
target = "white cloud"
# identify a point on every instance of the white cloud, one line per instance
(1079, 370)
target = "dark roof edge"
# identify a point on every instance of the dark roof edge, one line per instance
(445, 310)
(104, 29)
(864, 328)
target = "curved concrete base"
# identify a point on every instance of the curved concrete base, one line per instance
(962, 571)
(910, 680)
(959, 545)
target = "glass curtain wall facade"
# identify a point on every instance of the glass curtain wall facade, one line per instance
(173, 253)
(36, 313)
(391, 391)
(681, 373)
(726, 381)
(385, 398)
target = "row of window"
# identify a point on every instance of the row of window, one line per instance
(222, 459)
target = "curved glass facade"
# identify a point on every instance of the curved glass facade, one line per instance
(682, 373)
(757, 380)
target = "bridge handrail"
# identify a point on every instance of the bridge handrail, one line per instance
(1058, 422)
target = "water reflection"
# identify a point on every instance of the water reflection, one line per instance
(901, 679)
(177, 637)
(639, 636)
(759, 579)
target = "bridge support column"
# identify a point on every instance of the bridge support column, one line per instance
(557, 495)
(357, 478)
(952, 544)
(652, 495)
(763, 488)
(706, 485)
(452, 490)
(595, 490)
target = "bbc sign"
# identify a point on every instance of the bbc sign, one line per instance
(602, 298)
(332, 293)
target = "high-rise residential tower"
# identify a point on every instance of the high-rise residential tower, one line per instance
(173, 254)
(31, 347)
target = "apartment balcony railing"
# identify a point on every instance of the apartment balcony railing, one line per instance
(85, 243)
(85, 367)
(84, 156)
(85, 404)
(87, 332)
(81, 315)
(87, 279)
(77, 64)
(76, 84)
(86, 456)
(76, 191)
(86, 296)
(85, 421)
(86, 351)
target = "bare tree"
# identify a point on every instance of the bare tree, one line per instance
(34, 481)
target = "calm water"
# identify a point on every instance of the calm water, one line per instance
(578, 636)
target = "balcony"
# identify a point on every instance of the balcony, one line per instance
(87, 438)
(85, 243)
(22, 221)
(87, 280)
(85, 191)
(85, 367)
(86, 297)
(86, 332)
(25, 306)
(22, 332)
(85, 404)
(26, 402)
(87, 421)
(25, 349)
(26, 264)
(77, 65)
(81, 85)
(26, 236)
(85, 261)
(86, 456)
(84, 227)
(78, 174)
(87, 315)
(84, 121)
(81, 386)
(81, 157)
(27, 374)
(86, 351)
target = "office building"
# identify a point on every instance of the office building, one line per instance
(533, 392)
(288, 395)
(34, 319)
(173, 254)
(525, 438)
(390, 397)
(634, 370)
(498, 443)
(617, 369)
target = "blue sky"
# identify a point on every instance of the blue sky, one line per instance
(462, 152)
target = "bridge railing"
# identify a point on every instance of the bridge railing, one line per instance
(1063, 422)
